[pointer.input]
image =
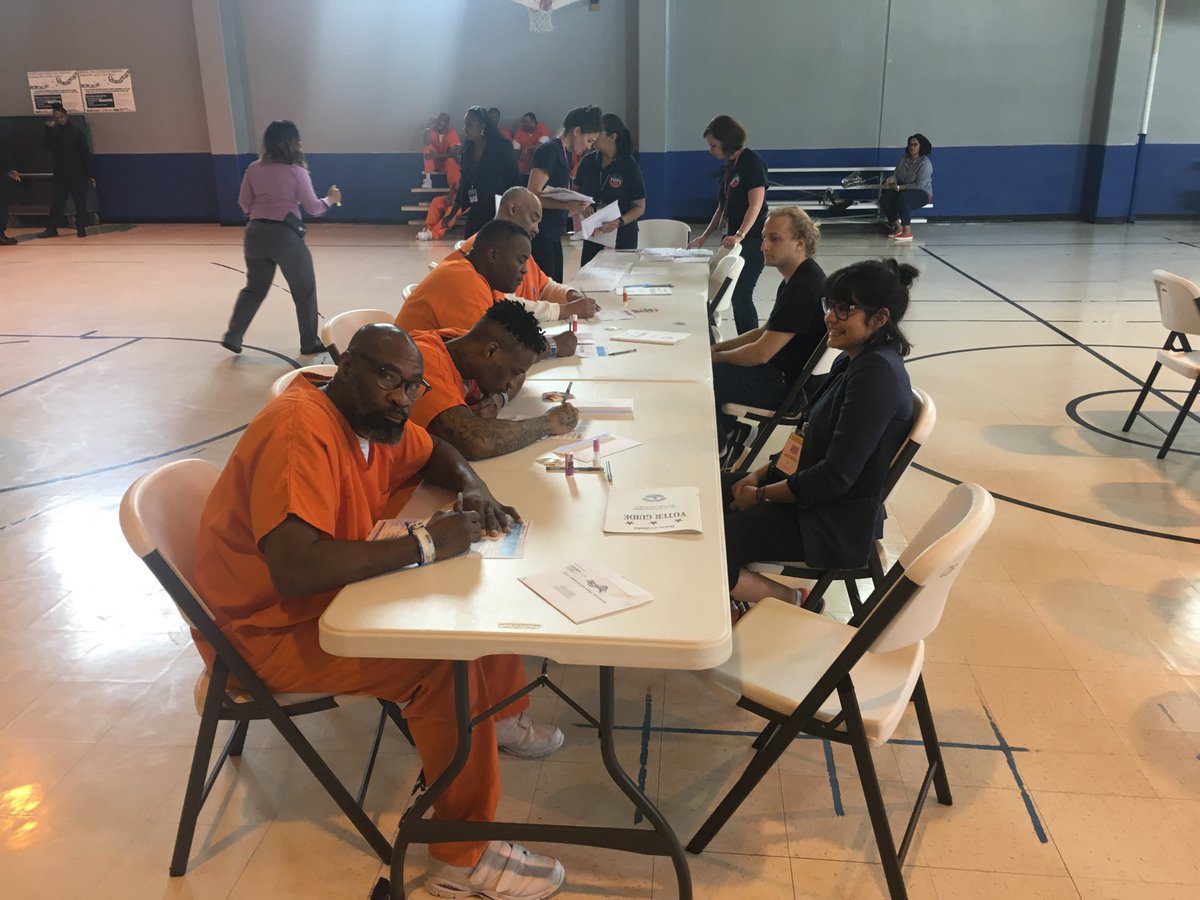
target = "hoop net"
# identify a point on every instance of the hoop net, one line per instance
(539, 18)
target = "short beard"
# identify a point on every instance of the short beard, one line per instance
(380, 429)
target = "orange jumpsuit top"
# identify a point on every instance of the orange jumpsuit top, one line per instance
(298, 457)
(531, 286)
(441, 143)
(438, 207)
(505, 132)
(447, 387)
(453, 295)
(529, 141)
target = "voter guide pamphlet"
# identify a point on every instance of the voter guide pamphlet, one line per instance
(586, 591)
(507, 546)
(653, 510)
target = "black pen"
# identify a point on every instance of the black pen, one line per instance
(623, 352)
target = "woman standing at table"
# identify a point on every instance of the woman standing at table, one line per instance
(489, 168)
(821, 499)
(610, 174)
(552, 168)
(274, 188)
(742, 203)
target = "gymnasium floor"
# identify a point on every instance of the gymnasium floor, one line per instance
(1065, 677)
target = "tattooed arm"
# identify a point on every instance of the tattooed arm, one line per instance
(477, 438)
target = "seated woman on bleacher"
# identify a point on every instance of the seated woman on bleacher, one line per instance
(820, 500)
(909, 187)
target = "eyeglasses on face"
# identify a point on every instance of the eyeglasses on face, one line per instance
(390, 379)
(841, 311)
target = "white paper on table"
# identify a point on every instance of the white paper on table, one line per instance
(586, 591)
(646, 290)
(609, 444)
(508, 546)
(605, 408)
(564, 195)
(648, 271)
(639, 336)
(590, 350)
(652, 510)
(613, 315)
(580, 431)
(610, 213)
(675, 253)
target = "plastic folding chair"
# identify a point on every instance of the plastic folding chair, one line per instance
(663, 233)
(341, 328)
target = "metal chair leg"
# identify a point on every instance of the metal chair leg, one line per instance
(933, 749)
(1142, 396)
(1183, 414)
(852, 592)
(193, 795)
(238, 741)
(764, 736)
(371, 757)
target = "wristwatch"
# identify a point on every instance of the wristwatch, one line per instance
(425, 545)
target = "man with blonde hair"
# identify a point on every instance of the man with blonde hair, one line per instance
(757, 367)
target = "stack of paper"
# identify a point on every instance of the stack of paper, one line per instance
(604, 408)
(609, 444)
(646, 290)
(586, 591)
(652, 510)
(676, 253)
(588, 226)
(638, 336)
(563, 195)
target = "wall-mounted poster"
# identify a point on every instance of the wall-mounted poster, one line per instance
(48, 88)
(107, 90)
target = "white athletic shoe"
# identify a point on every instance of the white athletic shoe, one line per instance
(521, 737)
(426, 181)
(505, 872)
(424, 235)
(901, 238)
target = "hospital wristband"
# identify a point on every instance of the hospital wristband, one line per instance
(425, 545)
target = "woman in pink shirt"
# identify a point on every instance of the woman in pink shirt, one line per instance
(274, 189)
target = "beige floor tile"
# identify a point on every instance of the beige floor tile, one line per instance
(1145, 702)
(991, 624)
(970, 767)
(1144, 572)
(123, 783)
(1044, 709)
(1037, 566)
(995, 886)
(816, 831)
(986, 829)
(729, 876)
(309, 860)
(1092, 889)
(1172, 778)
(603, 873)
(80, 711)
(687, 796)
(1118, 838)
(1118, 774)
(819, 879)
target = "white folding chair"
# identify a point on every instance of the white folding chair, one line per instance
(852, 683)
(721, 282)
(924, 419)
(458, 245)
(1179, 310)
(663, 233)
(721, 252)
(432, 264)
(279, 385)
(160, 518)
(337, 331)
(407, 292)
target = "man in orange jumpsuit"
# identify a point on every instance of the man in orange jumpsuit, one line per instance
(442, 146)
(529, 134)
(494, 115)
(285, 528)
(545, 298)
(464, 286)
(437, 222)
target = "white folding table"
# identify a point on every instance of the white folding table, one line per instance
(465, 608)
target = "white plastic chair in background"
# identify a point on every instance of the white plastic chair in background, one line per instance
(1179, 310)
(279, 385)
(721, 253)
(341, 328)
(663, 233)
(721, 283)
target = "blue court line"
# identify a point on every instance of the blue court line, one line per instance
(1012, 765)
(644, 757)
(834, 788)
(73, 365)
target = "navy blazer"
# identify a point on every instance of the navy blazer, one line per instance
(857, 421)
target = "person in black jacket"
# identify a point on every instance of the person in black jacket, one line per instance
(489, 168)
(820, 499)
(72, 171)
(610, 174)
(9, 178)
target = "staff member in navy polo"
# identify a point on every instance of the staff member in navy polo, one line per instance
(743, 205)
(552, 167)
(611, 174)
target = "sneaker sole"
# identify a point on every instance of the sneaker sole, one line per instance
(522, 754)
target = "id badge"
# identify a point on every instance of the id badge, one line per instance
(473, 195)
(789, 457)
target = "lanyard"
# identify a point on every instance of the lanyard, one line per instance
(729, 170)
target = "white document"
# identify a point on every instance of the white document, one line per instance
(604, 408)
(609, 444)
(589, 350)
(586, 591)
(653, 510)
(675, 253)
(638, 336)
(48, 88)
(563, 195)
(613, 315)
(507, 546)
(610, 213)
(107, 90)
(581, 429)
(646, 290)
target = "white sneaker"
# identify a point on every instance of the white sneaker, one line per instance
(426, 182)
(505, 872)
(901, 238)
(518, 736)
(424, 235)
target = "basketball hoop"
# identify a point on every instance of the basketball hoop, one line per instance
(539, 17)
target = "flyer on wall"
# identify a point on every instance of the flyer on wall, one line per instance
(107, 90)
(48, 88)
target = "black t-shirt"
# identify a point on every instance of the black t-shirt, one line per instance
(494, 174)
(740, 176)
(620, 182)
(797, 311)
(552, 157)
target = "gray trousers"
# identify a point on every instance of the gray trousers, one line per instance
(267, 245)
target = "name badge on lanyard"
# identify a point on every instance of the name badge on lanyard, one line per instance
(789, 457)
(472, 195)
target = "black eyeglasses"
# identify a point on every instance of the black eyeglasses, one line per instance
(841, 311)
(390, 379)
